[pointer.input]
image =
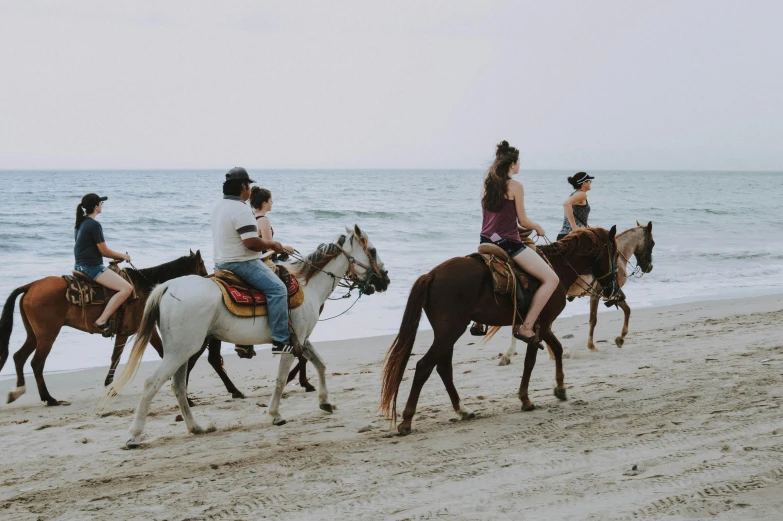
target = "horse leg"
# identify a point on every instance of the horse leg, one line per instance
(286, 360)
(20, 357)
(216, 361)
(530, 362)
(191, 362)
(557, 349)
(620, 340)
(320, 367)
(593, 321)
(512, 350)
(301, 368)
(151, 387)
(43, 347)
(446, 372)
(424, 368)
(119, 346)
(179, 385)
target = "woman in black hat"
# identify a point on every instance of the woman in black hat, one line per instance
(576, 207)
(89, 251)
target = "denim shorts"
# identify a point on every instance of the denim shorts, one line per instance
(513, 248)
(91, 271)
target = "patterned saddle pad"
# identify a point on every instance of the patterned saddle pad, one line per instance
(83, 291)
(245, 301)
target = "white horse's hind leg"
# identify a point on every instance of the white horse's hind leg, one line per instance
(320, 366)
(180, 388)
(286, 361)
(151, 387)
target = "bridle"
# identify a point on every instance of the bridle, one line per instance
(646, 249)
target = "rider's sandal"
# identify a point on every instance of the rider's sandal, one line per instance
(478, 329)
(529, 339)
(106, 329)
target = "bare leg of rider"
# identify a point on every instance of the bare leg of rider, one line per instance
(533, 264)
(113, 281)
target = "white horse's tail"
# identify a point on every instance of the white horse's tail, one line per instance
(143, 336)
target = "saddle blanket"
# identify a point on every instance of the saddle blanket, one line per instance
(83, 292)
(244, 301)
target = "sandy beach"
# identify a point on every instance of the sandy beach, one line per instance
(684, 422)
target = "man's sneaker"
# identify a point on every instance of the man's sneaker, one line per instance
(279, 348)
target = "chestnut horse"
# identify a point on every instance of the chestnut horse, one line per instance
(45, 310)
(460, 290)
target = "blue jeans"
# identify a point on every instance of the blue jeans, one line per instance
(258, 275)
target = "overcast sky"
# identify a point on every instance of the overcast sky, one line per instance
(424, 84)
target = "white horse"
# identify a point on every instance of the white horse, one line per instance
(189, 309)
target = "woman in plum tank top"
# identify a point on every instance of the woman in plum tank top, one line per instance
(503, 206)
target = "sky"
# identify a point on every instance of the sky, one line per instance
(422, 84)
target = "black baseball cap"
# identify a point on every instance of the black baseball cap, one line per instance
(582, 177)
(92, 200)
(238, 173)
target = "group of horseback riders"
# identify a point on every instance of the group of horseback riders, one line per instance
(241, 236)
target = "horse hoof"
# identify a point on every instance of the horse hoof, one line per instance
(190, 403)
(309, 389)
(592, 348)
(528, 407)
(12, 397)
(278, 422)
(504, 361)
(132, 444)
(326, 407)
(55, 403)
(197, 430)
(619, 341)
(468, 415)
(560, 393)
(238, 394)
(404, 430)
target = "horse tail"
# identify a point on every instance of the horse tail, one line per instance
(400, 350)
(143, 335)
(7, 321)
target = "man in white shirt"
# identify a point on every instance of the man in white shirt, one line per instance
(237, 248)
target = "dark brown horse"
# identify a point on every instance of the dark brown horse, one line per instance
(45, 310)
(460, 290)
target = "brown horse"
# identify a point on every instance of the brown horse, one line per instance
(460, 290)
(45, 310)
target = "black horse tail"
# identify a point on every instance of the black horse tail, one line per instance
(400, 350)
(7, 321)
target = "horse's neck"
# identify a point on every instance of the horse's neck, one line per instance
(628, 244)
(321, 285)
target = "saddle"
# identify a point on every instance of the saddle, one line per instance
(507, 277)
(83, 291)
(243, 300)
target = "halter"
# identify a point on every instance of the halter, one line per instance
(637, 270)
(352, 262)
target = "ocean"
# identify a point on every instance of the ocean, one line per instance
(717, 234)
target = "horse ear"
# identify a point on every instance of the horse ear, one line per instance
(198, 254)
(357, 230)
(348, 230)
(638, 224)
(649, 226)
(613, 232)
(191, 252)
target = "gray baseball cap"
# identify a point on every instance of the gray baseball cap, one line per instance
(238, 173)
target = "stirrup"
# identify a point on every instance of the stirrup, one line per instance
(107, 329)
(478, 329)
(244, 351)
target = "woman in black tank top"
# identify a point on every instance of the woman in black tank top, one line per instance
(576, 209)
(261, 202)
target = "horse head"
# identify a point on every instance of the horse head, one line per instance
(366, 269)
(644, 254)
(198, 264)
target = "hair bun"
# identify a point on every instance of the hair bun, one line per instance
(571, 180)
(503, 148)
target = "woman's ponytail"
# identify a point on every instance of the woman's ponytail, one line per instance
(79, 215)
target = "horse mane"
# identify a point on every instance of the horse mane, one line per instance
(148, 277)
(316, 261)
(585, 241)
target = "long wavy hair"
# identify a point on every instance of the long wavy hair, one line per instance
(496, 182)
